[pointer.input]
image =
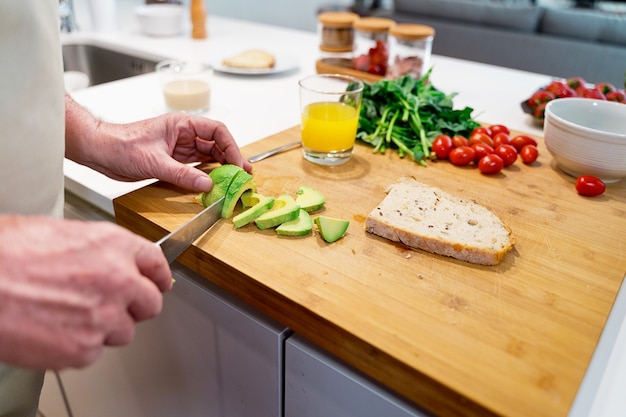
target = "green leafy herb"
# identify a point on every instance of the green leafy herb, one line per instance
(408, 114)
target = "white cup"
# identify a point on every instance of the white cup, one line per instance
(186, 85)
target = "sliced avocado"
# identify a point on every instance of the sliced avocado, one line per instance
(285, 209)
(262, 205)
(249, 199)
(239, 185)
(330, 228)
(309, 199)
(300, 226)
(221, 176)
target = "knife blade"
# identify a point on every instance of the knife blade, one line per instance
(180, 239)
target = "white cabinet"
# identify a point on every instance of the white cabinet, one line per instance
(318, 385)
(207, 354)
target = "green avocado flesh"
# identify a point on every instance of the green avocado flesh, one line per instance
(301, 226)
(221, 176)
(285, 209)
(330, 228)
(309, 199)
(257, 204)
(239, 185)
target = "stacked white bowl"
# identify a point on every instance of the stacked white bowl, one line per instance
(587, 137)
(161, 19)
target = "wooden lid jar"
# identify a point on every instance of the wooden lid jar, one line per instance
(410, 47)
(336, 32)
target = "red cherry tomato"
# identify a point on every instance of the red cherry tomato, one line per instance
(522, 140)
(458, 141)
(490, 164)
(508, 154)
(589, 186)
(462, 155)
(482, 129)
(480, 150)
(480, 137)
(442, 145)
(529, 154)
(501, 138)
(495, 129)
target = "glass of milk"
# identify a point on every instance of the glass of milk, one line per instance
(186, 85)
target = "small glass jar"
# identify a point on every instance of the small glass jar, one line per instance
(371, 46)
(336, 34)
(410, 47)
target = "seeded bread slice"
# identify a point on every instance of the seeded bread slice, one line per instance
(424, 217)
(251, 59)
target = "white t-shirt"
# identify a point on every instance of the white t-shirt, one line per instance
(32, 131)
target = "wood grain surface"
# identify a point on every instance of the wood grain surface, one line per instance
(455, 338)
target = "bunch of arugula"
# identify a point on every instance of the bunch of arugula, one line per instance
(408, 114)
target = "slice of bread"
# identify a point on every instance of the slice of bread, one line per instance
(251, 59)
(427, 218)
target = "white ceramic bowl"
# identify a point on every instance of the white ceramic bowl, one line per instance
(587, 136)
(160, 19)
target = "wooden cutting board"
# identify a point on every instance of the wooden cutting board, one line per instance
(458, 339)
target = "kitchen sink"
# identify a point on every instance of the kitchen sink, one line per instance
(103, 65)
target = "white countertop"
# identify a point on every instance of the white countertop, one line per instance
(254, 107)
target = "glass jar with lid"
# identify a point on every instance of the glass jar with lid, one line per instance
(336, 33)
(410, 47)
(371, 47)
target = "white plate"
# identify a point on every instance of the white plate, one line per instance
(283, 63)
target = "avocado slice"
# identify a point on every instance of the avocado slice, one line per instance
(221, 176)
(300, 226)
(239, 185)
(330, 228)
(284, 210)
(309, 199)
(257, 203)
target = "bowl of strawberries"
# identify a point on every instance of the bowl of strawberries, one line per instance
(536, 104)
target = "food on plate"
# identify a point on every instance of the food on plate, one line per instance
(331, 229)
(570, 87)
(424, 217)
(590, 186)
(300, 226)
(251, 59)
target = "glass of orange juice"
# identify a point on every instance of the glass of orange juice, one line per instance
(186, 85)
(329, 105)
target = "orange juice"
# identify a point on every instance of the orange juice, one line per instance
(329, 126)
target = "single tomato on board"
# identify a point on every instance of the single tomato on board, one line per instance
(590, 186)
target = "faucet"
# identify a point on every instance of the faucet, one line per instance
(66, 16)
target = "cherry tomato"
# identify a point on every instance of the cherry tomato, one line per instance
(442, 145)
(501, 139)
(462, 155)
(490, 164)
(482, 129)
(480, 137)
(480, 150)
(458, 141)
(508, 154)
(495, 129)
(529, 154)
(520, 141)
(589, 186)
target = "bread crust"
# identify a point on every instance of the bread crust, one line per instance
(426, 218)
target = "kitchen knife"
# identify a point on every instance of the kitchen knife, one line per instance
(180, 239)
